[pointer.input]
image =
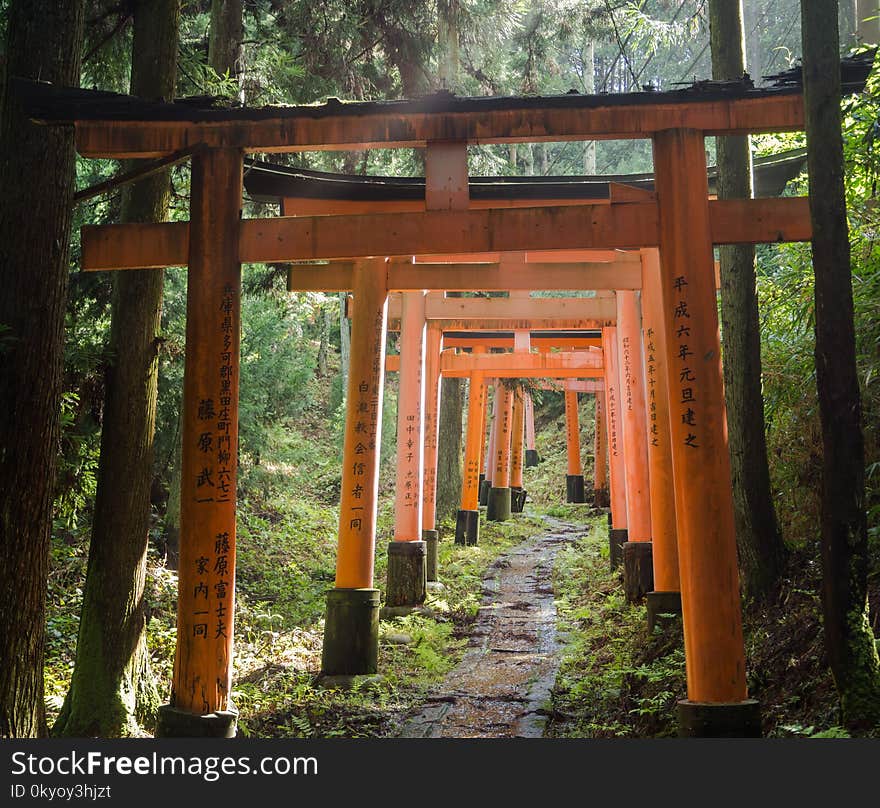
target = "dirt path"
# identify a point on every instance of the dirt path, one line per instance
(501, 686)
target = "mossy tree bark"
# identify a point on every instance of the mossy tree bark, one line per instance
(759, 542)
(113, 688)
(449, 448)
(225, 40)
(44, 40)
(848, 636)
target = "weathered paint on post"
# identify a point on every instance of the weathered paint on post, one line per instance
(615, 438)
(410, 425)
(600, 468)
(206, 579)
(516, 439)
(714, 649)
(663, 529)
(432, 425)
(633, 418)
(470, 490)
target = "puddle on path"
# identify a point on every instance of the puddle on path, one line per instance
(502, 685)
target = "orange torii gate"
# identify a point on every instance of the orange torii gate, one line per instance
(680, 220)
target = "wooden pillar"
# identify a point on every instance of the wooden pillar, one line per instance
(600, 468)
(351, 633)
(498, 506)
(200, 688)
(637, 563)
(717, 699)
(430, 535)
(666, 596)
(407, 570)
(480, 349)
(532, 458)
(574, 478)
(517, 492)
(617, 483)
(467, 522)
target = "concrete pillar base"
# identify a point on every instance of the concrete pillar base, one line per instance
(660, 606)
(485, 485)
(532, 458)
(638, 570)
(430, 538)
(174, 723)
(697, 719)
(407, 573)
(517, 499)
(351, 632)
(498, 504)
(601, 497)
(574, 488)
(467, 527)
(616, 539)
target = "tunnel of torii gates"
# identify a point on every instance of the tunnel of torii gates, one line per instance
(670, 230)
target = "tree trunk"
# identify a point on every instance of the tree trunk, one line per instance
(227, 33)
(759, 543)
(44, 41)
(848, 636)
(324, 344)
(112, 685)
(344, 342)
(449, 448)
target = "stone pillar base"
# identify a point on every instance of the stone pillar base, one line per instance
(407, 573)
(498, 504)
(660, 606)
(574, 488)
(517, 499)
(174, 723)
(467, 527)
(697, 719)
(601, 497)
(351, 632)
(638, 570)
(616, 539)
(485, 485)
(430, 538)
(532, 458)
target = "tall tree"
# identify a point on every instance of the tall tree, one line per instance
(44, 41)
(227, 34)
(848, 635)
(112, 686)
(759, 542)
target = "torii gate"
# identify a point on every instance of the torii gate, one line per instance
(682, 222)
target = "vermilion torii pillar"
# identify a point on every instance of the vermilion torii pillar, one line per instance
(574, 478)
(200, 703)
(498, 505)
(467, 523)
(666, 595)
(532, 458)
(432, 426)
(637, 565)
(517, 492)
(717, 702)
(351, 631)
(600, 469)
(618, 531)
(407, 570)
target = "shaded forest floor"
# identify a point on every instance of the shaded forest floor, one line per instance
(614, 680)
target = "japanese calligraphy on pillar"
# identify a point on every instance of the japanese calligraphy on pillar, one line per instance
(651, 372)
(361, 473)
(686, 398)
(627, 373)
(477, 391)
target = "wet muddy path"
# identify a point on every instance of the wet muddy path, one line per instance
(502, 685)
